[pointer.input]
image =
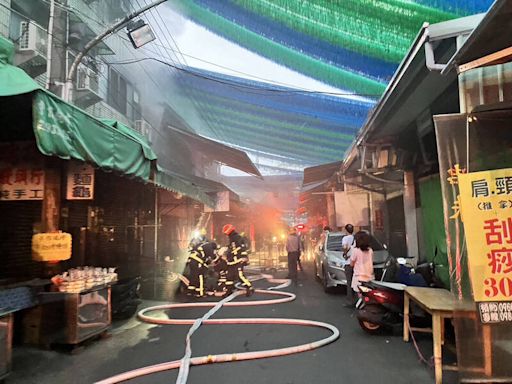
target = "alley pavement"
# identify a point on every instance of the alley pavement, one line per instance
(354, 358)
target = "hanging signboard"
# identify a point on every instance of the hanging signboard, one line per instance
(486, 211)
(80, 183)
(222, 203)
(51, 246)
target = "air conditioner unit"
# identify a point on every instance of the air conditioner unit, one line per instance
(33, 38)
(87, 86)
(144, 128)
(87, 80)
(32, 48)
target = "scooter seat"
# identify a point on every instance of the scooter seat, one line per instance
(387, 285)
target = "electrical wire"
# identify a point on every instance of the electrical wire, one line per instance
(154, 43)
(242, 86)
(196, 103)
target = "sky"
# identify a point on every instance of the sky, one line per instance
(201, 47)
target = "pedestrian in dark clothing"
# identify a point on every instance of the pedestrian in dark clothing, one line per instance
(348, 244)
(294, 249)
(299, 264)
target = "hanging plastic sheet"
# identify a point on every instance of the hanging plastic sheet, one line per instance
(476, 142)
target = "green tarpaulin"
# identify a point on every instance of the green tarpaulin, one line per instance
(148, 152)
(433, 227)
(68, 132)
(178, 183)
(13, 80)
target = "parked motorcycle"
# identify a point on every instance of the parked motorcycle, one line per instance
(125, 298)
(381, 303)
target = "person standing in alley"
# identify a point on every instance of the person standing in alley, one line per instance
(347, 243)
(361, 260)
(294, 249)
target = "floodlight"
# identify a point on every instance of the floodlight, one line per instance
(140, 34)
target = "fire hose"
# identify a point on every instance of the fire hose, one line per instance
(184, 363)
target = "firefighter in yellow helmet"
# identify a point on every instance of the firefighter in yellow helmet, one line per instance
(198, 264)
(237, 256)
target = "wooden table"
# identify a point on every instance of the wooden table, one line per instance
(441, 305)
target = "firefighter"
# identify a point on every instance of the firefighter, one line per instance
(197, 263)
(208, 250)
(237, 256)
(220, 265)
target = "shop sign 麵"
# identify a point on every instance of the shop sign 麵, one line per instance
(80, 183)
(486, 211)
(51, 246)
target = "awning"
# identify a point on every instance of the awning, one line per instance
(217, 151)
(210, 186)
(148, 152)
(320, 173)
(66, 131)
(13, 80)
(492, 35)
(175, 182)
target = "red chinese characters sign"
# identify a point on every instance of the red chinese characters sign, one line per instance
(21, 182)
(486, 209)
(21, 176)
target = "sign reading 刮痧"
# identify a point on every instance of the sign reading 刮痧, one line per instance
(486, 209)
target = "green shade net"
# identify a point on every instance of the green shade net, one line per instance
(13, 80)
(433, 227)
(175, 182)
(66, 131)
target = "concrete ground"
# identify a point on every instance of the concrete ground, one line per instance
(354, 358)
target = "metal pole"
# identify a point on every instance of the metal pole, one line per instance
(50, 45)
(68, 87)
(156, 225)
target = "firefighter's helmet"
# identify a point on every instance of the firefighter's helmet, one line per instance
(228, 229)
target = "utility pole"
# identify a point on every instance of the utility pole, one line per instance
(50, 45)
(68, 87)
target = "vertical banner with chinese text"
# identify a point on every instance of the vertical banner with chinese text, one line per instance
(486, 209)
(80, 183)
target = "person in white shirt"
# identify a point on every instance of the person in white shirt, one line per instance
(347, 243)
(362, 260)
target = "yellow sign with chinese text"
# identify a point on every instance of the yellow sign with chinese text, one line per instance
(486, 211)
(51, 246)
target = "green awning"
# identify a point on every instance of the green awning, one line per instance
(148, 152)
(65, 131)
(179, 183)
(13, 80)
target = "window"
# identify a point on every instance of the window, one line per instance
(117, 91)
(334, 243)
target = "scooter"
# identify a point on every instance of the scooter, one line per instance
(381, 303)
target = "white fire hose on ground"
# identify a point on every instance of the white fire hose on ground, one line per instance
(184, 363)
